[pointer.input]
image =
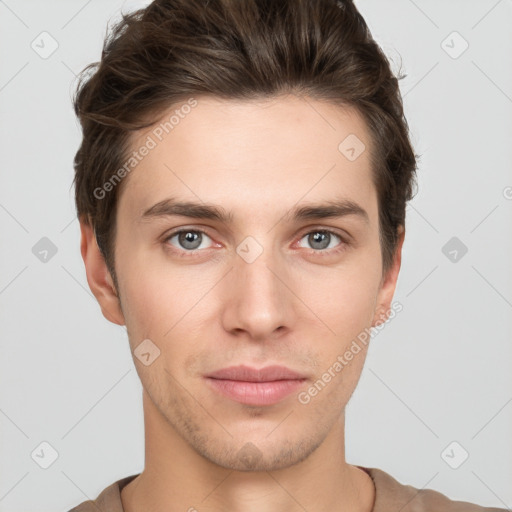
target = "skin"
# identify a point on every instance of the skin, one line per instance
(298, 304)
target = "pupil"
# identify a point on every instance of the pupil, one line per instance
(189, 239)
(321, 237)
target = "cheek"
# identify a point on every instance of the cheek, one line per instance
(345, 300)
(148, 301)
(160, 300)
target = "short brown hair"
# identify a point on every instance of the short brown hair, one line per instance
(237, 49)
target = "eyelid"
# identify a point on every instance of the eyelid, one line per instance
(328, 229)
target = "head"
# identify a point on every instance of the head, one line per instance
(283, 123)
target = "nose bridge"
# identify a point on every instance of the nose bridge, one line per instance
(253, 267)
(260, 302)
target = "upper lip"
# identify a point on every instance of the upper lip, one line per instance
(248, 374)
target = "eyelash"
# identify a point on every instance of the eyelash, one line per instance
(321, 252)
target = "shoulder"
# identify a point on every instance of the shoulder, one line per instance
(391, 495)
(109, 500)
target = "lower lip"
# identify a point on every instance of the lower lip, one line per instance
(256, 393)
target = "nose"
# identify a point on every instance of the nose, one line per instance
(259, 301)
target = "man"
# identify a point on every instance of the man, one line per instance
(241, 189)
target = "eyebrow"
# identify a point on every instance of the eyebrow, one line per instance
(337, 208)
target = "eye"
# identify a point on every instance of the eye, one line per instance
(191, 240)
(320, 239)
(188, 239)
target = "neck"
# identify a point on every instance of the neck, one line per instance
(178, 478)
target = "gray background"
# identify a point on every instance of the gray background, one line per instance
(438, 372)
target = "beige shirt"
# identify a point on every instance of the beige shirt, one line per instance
(390, 496)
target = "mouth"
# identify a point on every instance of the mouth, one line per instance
(253, 386)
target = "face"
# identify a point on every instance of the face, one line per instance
(259, 275)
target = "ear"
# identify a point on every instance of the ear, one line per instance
(98, 276)
(388, 283)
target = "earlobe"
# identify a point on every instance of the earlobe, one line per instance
(388, 283)
(98, 276)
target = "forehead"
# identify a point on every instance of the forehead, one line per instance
(252, 153)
